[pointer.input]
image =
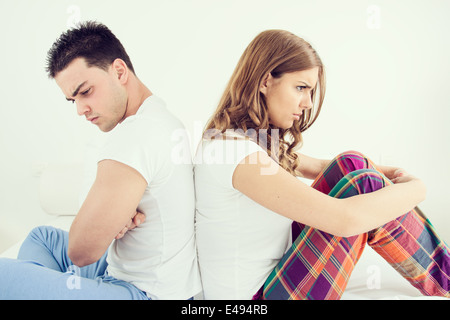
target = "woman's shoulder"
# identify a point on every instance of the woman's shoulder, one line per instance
(227, 148)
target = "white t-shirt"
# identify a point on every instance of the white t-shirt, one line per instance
(239, 242)
(159, 257)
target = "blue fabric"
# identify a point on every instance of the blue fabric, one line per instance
(43, 270)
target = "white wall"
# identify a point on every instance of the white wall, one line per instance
(387, 69)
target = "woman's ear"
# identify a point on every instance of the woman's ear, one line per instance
(265, 83)
(120, 70)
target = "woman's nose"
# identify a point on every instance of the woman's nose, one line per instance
(306, 102)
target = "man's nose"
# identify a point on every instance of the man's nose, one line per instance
(82, 108)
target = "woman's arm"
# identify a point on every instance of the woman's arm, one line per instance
(392, 173)
(311, 167)
(284, 194)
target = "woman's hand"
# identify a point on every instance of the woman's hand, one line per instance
(397, 175)
(133, 223)
(401, 176)
(404, 177)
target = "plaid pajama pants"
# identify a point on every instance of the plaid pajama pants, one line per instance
(318, 265)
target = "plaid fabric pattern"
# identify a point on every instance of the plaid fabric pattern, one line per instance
(318, 265)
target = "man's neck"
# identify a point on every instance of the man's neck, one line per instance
(137, 94)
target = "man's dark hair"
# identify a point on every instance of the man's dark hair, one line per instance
(90, 40)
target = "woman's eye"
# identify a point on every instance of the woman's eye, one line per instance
(86, 92)
(301, 88)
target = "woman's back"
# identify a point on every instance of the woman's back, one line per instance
(239, 241)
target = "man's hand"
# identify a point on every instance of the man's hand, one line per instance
(133, 223)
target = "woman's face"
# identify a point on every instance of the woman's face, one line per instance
(288, 95)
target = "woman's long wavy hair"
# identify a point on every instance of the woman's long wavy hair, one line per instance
(243, 107)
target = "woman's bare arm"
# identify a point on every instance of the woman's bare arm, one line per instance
(311, 167)
(284, 194)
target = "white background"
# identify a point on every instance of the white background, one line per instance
(387, 66)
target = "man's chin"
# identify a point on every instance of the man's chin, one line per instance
(106, 128)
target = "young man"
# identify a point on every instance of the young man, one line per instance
(137, 184)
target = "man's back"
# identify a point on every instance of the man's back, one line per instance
(159, 256)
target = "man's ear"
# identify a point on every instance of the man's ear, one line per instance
(265, 83)
(120, 69)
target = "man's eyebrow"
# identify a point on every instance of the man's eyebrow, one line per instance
(75, 93)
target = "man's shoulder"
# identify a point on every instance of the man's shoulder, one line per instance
(155, 115)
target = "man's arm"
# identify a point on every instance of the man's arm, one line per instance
(109, 206)
(133, 223)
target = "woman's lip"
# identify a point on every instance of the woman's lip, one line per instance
(297, 116)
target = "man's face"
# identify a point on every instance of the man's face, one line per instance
(98, 94)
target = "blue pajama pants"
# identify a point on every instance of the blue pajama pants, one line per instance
(43, 270)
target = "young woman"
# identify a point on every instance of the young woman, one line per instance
(249, 201)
